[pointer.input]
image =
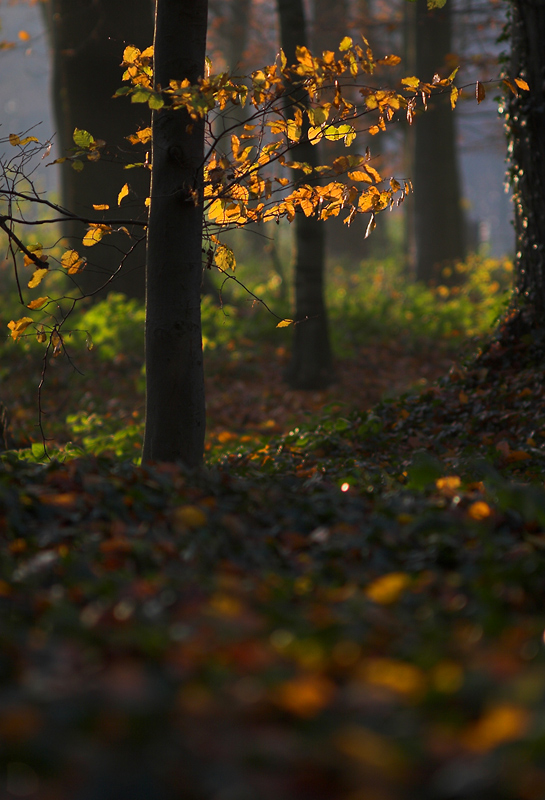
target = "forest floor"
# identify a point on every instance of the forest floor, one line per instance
(346, 605)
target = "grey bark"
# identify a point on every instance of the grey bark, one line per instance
(526, 128)
(175, 410)
(311, 365)
(438, 214)
(87, 39)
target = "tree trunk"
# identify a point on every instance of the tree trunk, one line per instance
(439, 219)
(311, 365)
(526, 128)
(87, 39)
(175, 411)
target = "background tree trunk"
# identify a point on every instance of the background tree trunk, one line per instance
(526, 129)
(175, 411)
(438, 215)
(311, 365)
(87, 39)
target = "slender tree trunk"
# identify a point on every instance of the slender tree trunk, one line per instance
(311, 365)
(439, 219)
(526, 128)
(87, 39)
(175, 411)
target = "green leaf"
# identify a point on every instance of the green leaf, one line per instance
(155, 101)
(83, 139)
(77, 165)
(140, 96)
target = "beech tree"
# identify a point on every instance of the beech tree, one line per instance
(439, 225)
(526, 131)
(86, 41)
(311, 362)
(175, 409)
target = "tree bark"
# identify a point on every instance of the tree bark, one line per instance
(175, 410)
(311, 365)
(526, 129)
(87, 39)
(438, 214)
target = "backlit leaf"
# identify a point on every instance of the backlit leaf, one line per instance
(95, 234)
(131, 54)
(101, 207)
(72, 261)
(224, 258)
(83, 138)
(285, 323)
(38, 303)
(346, 44)
(17, 327)
(454, 95)
(123, 193)
(37, 278)
(521, 83)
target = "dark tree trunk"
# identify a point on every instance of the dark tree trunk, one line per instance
(438, 215)
(175, 411)
(311, 365)
(87, 39)
(526, 128)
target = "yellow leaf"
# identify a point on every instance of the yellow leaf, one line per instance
(38, 303)
(391, 60)
(14, 139)
(510, 85)
(373, 172)
(374, 129)
(285, 323)
(95, 234)
(359, 175)
(346, 44)
(24, 36)
(411, 82)
(147, 53)
(37, 278)
(41, 337)
(72, 261)
(521, 83)
(123, 193)
(17, 327)
(131, 54)
(101, 207)
(388, 588)
(454, 95)
(225, 258)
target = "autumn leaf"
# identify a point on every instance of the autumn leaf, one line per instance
(16, 140)
(225, 258)
(123, 193)
(480, 93)
(101, 207)
(37, 277)
(72, 261)
(95, 234)
(17, 327)
(285, 323)
(346, 44)
(521, 83)
(38, 303)
(24, 36)
(454, 95)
